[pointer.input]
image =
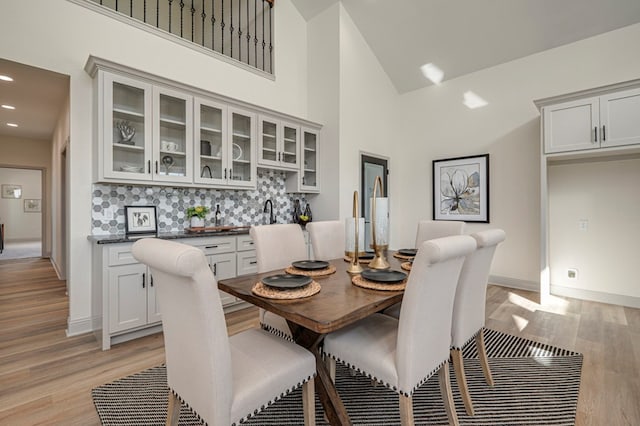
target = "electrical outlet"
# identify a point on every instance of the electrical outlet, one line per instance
(583, 224)
(572, 274)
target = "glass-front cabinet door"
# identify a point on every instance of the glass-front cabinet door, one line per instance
(173, 141)
(211, 123)
(127, 128)
(310, 155)
(278, 143)
(241, 170)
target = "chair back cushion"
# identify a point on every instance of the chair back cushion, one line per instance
(197, 349)
(278, 245)
(432, 229)
(471, 294)
(327, 239)
(424, 330)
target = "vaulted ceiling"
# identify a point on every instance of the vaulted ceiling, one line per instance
(464, 36)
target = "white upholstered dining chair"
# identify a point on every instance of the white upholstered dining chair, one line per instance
(432, 229)
(429, 230)
(327, 239)
(223, 379)
(469, 308)
(403, 353)
(276, 247)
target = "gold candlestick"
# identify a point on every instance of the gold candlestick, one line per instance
(354, 267)
(379, 261)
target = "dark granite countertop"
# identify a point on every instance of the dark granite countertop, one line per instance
(122, 238)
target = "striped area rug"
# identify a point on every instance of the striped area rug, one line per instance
(535, 384)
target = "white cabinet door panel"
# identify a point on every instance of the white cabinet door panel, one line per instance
(127, 297)
(620, 118)
(571, 126)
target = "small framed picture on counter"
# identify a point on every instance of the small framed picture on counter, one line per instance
(461, 189)
(140, 220)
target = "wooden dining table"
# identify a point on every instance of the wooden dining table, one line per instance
(338, 304)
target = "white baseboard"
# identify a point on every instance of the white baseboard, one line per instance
(79, 326)
(514, 283)
(596, 296)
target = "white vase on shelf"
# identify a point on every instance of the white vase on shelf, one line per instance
(197, 222)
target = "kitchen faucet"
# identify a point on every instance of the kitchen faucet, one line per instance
(272, 218)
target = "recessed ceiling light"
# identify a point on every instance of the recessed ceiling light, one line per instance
(5, 78)
(12, 125)
(432, 72)
(471, 100)
(8, 107)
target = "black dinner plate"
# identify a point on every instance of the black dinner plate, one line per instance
(383, 275)
(310, 265)
(408, 252)
(286, 281)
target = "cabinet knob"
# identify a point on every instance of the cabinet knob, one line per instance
(595, 132)
(210, 247)
(143, 279)
(604, 134)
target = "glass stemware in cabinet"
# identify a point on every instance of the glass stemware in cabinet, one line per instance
(241, 139)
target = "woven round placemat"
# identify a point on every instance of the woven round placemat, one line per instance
(402, 256)
(315, 273)
(363, 261)
(262, 290)
(406, 266)
(365, 283)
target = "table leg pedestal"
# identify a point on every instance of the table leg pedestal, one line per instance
(334, 409)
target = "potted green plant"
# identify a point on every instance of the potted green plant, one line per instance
(196, 215)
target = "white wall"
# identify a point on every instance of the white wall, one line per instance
(59, 36)
(367, 104)
(433, 124)
(19, 225)
(605, 194)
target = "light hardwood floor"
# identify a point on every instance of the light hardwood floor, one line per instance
(46, 378)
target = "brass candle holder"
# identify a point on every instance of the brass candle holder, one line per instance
(379, 260)
(354, 267)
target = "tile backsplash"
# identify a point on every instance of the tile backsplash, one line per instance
(238, 207)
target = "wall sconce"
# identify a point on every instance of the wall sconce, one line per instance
(354, 236)
(379, 227)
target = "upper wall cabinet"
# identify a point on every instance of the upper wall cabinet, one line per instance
(152, 129)
(278, 143)
(225, 152)
(146, 131)
(592, 122)
(308, 179)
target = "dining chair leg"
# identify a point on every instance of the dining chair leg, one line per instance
(173, 410)
(461, 379)
(484, 360)
(447, 395)
(406, 411)
(331, 366)
(309, 403)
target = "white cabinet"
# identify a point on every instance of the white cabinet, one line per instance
(241, 167)
(307, 180)
(247, 262)
(225, 146)
(278, 143)
(132, 298)
(124, 302)
(594, 122)
(145, 131)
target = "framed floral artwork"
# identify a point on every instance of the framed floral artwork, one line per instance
(11, 191)
(140, 220)
(461, 189)
(32, 205)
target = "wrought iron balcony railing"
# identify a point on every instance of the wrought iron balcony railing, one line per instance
(238, 29)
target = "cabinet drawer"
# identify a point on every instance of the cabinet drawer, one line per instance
(245, 243)
(247, 262)
(214, 245)
(120, 254)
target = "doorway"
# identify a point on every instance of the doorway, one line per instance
(21, 212)
(370, 168)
